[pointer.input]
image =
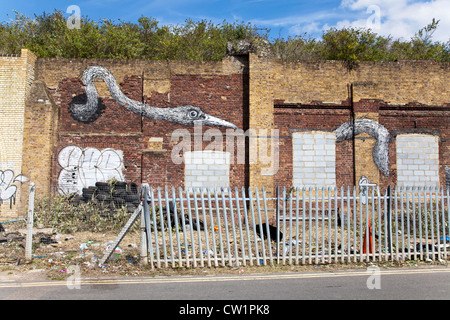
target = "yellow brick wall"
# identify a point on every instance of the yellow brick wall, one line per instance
(16, 77)
(261, 98)
(399, 82)
(40, 133)
(156, 73)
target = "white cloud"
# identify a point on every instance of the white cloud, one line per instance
(401, 18)
(310, 27)
(397, 18)
(311, 23)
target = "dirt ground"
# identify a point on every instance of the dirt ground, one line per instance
(54, 254)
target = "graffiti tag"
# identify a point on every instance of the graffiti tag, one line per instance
(84, 167)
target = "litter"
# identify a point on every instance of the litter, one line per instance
(47, 240)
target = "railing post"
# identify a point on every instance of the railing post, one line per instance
(30, 219)
(278, 223)
(143, 244)
(145, 192)
(389, 228)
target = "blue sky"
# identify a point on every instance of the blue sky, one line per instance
(399, 18)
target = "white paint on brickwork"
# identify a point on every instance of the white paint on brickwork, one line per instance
(417, 160)
(314, 158)
(82, 168)
(207, 169)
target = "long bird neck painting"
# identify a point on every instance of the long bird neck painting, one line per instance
(192, 115)
(185, 115)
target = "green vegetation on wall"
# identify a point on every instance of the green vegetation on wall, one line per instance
(47, 35)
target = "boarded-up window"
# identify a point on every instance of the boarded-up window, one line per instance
(207, 169)
(417, 160)
(314, 158)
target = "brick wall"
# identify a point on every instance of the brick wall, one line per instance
(218, 88)
(40, 137)
(403, 96)
(210, 169)
(417, 160)
(314, 158)
(16, 76)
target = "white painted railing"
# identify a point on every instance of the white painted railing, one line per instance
(212, 227)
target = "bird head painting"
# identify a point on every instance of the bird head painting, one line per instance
(186, 115)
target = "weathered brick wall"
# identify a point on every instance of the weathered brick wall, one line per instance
(16, 76)
(40, 137)
(218, 88)
(406, 97)
(292, 119)
(403, 96)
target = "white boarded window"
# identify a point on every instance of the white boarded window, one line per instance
(417, 160)
(314, 158)
(207, 169)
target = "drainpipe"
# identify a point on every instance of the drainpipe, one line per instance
(352, 115)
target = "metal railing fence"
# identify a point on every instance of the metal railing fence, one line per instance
(225, 227)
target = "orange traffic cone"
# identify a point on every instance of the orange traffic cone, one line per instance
(370, 241)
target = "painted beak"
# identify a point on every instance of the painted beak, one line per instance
(216, 122)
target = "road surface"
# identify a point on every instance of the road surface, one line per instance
(385, 284)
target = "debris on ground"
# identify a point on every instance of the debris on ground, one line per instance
(56, 252)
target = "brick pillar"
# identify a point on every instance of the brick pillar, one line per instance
(261, 123)
(364, 142)
(40, 137)
(16, 77)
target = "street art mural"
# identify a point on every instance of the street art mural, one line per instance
(380, 133)
(7, 187)
(185, 115)
(82, 168)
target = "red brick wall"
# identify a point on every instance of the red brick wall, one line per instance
(223, 96)
(414, 118)
(298, 118)
(420, 119)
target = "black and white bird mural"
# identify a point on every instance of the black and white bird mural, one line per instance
(380, 133)
(186, 115)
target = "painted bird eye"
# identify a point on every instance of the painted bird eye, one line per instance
(193, 114)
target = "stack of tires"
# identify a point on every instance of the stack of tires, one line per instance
(113, 195)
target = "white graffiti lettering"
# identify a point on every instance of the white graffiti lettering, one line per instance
(84, 167)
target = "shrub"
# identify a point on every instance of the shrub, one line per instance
(60, 213)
